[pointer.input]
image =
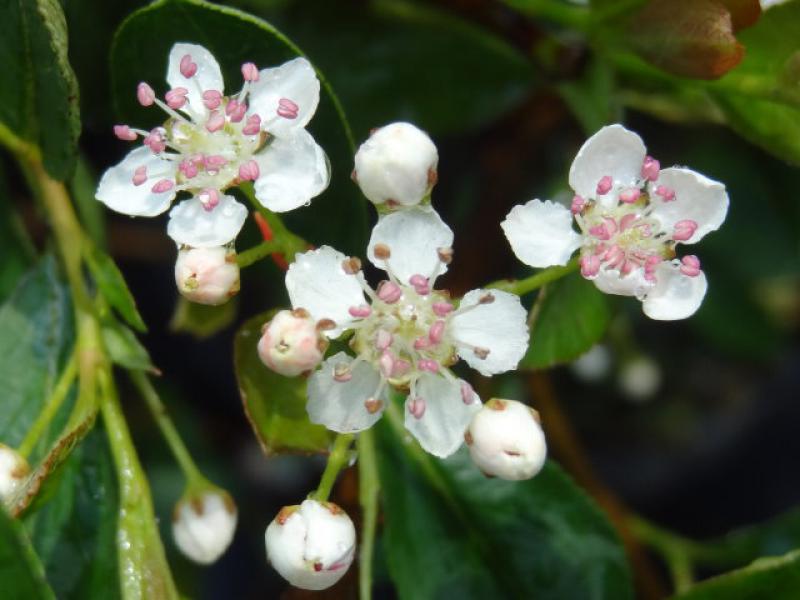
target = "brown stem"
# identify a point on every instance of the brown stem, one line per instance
(567, 447)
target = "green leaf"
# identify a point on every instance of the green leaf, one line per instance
(75, 533)
(113, 287)
(21, 572)
(38, 90)
(592, 97)
(776, 578)
(409, 61)
(201, 320)
(769, 70)
(568, 320)
(471, 537)
(15, 247)
(36, 332)
(124, 348)
(139, 53)
(275, 405)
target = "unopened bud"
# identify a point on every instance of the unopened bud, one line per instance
(505, 440)
(396, 164)
(207, 275)
(291, 343)
(311, 545)
(13, 471)
(203, 525)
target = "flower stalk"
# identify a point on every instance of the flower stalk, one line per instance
(338, 459)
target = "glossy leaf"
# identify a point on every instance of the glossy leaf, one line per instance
(75, 533)
(777, 578)
(124, 348)
(112, 285)
(38, 89)
(36, 333)
(571, 318)
(21, 572)
(409, 61)
(275, 405)
(471, 537)
(139, 53)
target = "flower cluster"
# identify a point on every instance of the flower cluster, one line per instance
(211, 142)
(630, 214)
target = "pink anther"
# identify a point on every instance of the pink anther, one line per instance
(383, 339)
(342, 373)
(604, 185)
(162, 186)
(666, 193)
(684, 230)
(360, 312)
(614, 256)
(188, 66)
(249, 72)
(288, 109)
(236, 115)
(590, 265)
(214, 162)
(139, 175)
(212, 99)
(176, 97)
(436, 332)
(389, 292)
(252, 125)
(145, 94)
(386, 363)
(442, 309)
(421, 343)
(690, 266)
(428, 364)
(188, 168)
(627, 221)
(416, 406)
(467, 393)
(420, 284)
(401, 367)
(578, 204)
(216, 121)
(209, 198)
(650, 168)
(249, 171)
(606, 230)
(630, 196)
(124, 132)
(155, 141)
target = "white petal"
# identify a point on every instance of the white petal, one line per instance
(413, 236)
(295, 81)
(610, 281)
(540, 233)
(207, 77)
(317, 282)
(191, 225)
(440, 429)
(697, 198)
(116, 189)
(499, 327)
(339, 405)
(675, 295)
(293, 170)
(612, 151)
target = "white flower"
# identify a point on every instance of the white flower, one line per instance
(396, 165)
(13, 471)
(292, 343)
(211, 142)
(207, 275)
(631, 214)
(203, 526)
(311, 545)
(405, 333)
(505, 440)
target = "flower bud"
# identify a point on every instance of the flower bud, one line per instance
(311, 545)
(291, 343)
(396, 165)
(505, 440)
(207, 275)
(13, 470)
(203, 525)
